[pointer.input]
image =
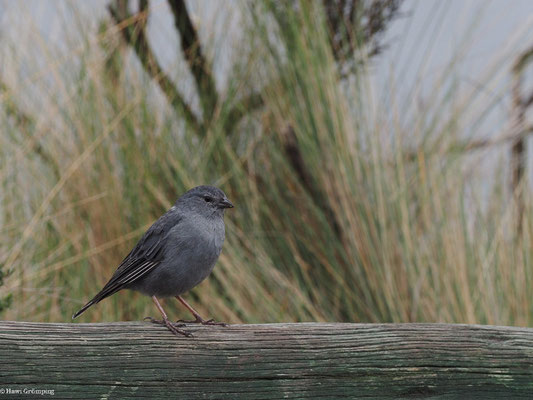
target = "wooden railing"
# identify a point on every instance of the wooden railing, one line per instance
(271, 361)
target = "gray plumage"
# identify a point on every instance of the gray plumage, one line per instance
(177, 252)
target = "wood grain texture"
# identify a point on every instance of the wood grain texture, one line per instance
(271, 361)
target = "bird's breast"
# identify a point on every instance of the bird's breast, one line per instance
(190, 255)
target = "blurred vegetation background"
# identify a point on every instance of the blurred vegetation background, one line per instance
(349, 206)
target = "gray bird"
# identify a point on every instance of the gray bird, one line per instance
(175, 254)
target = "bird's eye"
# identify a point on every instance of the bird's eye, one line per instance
(208, 199)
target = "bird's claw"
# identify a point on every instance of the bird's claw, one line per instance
(170, 326)
(202, 321)
(213, 322)
(173, 328)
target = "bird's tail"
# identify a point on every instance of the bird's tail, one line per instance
(110, 288)
(85, 307)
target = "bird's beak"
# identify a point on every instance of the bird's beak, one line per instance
(225, 204)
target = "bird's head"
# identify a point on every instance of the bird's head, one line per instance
(206, 200)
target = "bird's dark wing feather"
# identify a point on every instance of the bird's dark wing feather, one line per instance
(145, 256)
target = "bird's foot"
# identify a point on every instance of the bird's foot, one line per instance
(200, 320)
(174, 328)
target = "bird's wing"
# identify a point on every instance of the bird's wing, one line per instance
(145, 256)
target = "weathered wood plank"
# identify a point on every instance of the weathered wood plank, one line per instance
(306, 360)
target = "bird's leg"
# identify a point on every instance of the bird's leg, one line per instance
(199, 319)
(170, 326)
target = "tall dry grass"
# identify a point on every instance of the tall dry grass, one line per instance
(332, 220)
